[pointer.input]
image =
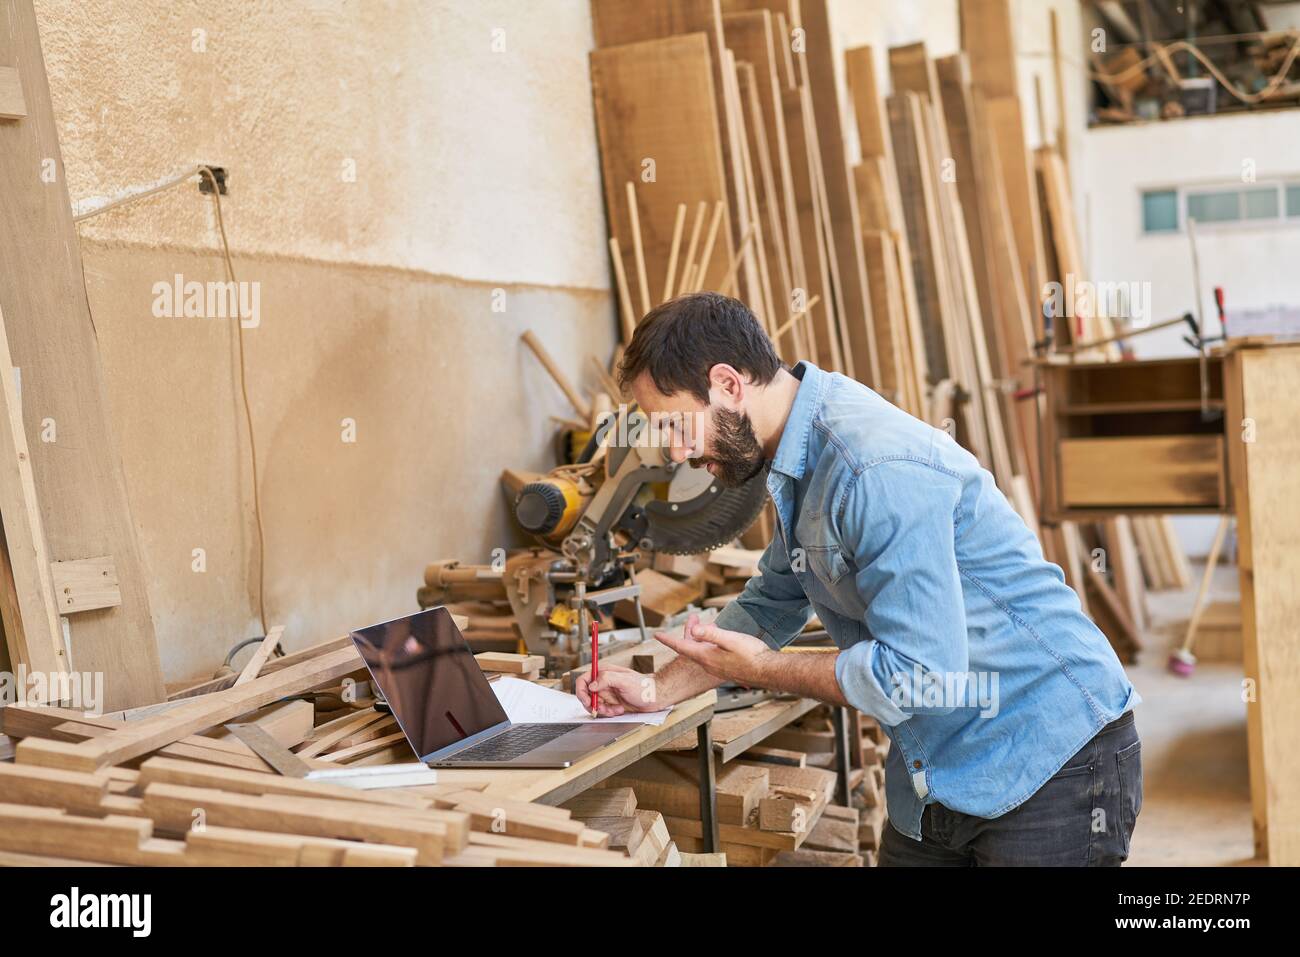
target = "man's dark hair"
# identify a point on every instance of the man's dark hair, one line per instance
(681, 340)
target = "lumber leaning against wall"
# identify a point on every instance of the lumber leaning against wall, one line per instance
(616, 22)
(78, 476)
(655, 103)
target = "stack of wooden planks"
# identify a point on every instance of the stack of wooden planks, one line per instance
(921, 270)
(641, 833)
(775, 800)
(842, 833)
(725, 168)
(168, 785)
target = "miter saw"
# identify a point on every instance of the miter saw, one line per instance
(623, 498)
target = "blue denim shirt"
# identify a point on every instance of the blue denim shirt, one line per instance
(954, 632)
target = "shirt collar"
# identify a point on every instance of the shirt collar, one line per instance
(792, 452)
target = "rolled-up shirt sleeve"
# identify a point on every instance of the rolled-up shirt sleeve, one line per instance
(773, 605)
(899, 526)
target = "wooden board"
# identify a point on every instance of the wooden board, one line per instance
(655, 100)
(86, 584)
(812, 238)
(510, 664)
(616, 22)
(873, 126)
(12, 104)
(982, 433)
(1015, 322)
(897, 375)
(30, 614)
(1122, 555)
(920, 208)
(735, 732)
(988, 39)
(974, 291)
(817, 67)
(669, 784)
(880, 206)
(988, 35)
(750, 36)
(953, 77)
(1007, 127)
(912, 72)
(661, 597)
(78, 478)
(140, 737)
(118, 839)
(1261, 388)
(286, 723)
(431, 832)
(757, 253)
(1152, 471)
(602, 802)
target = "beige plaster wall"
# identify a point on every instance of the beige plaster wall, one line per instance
(475, 170)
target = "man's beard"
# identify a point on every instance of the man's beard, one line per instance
(737, 454)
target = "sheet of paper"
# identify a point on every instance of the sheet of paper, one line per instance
(526, 702)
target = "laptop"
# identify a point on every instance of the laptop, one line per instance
(446, 708)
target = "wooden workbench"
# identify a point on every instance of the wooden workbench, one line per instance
(556, 786)
(735, 732)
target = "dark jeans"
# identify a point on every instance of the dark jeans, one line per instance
(1083, 816)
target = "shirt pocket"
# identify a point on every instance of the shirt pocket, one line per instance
(826, 563)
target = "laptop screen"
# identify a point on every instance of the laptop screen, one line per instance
(427, 672)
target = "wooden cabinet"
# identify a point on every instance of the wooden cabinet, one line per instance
(1133, 437)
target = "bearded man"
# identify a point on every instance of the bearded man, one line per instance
(930, 584)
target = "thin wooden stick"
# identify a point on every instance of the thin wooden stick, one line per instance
(689, 265)
(672, 255)
(707, 255)
(579, 404)
(260, 655)
(606, 379)
(785, 326)
(637, 249)
(1199, 608)
(728, 283)
(624, 297)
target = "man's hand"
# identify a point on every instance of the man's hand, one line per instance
(618, 691)
(729, 655)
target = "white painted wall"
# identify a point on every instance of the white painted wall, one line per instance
(1256, 265)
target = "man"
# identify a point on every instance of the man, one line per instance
(1009, 714)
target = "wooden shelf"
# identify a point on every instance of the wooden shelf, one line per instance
(1129, 438)
(1125, 408)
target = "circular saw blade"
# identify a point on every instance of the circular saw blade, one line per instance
(713, 518)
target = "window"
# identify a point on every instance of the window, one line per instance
(1262, 203)
(1164, 210)
(1217, 207)
(1160, 211)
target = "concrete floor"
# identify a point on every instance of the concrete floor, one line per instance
(1196, 803)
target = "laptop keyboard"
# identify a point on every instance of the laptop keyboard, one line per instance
(512, 743)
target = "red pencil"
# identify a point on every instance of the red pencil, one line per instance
(595, 660)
